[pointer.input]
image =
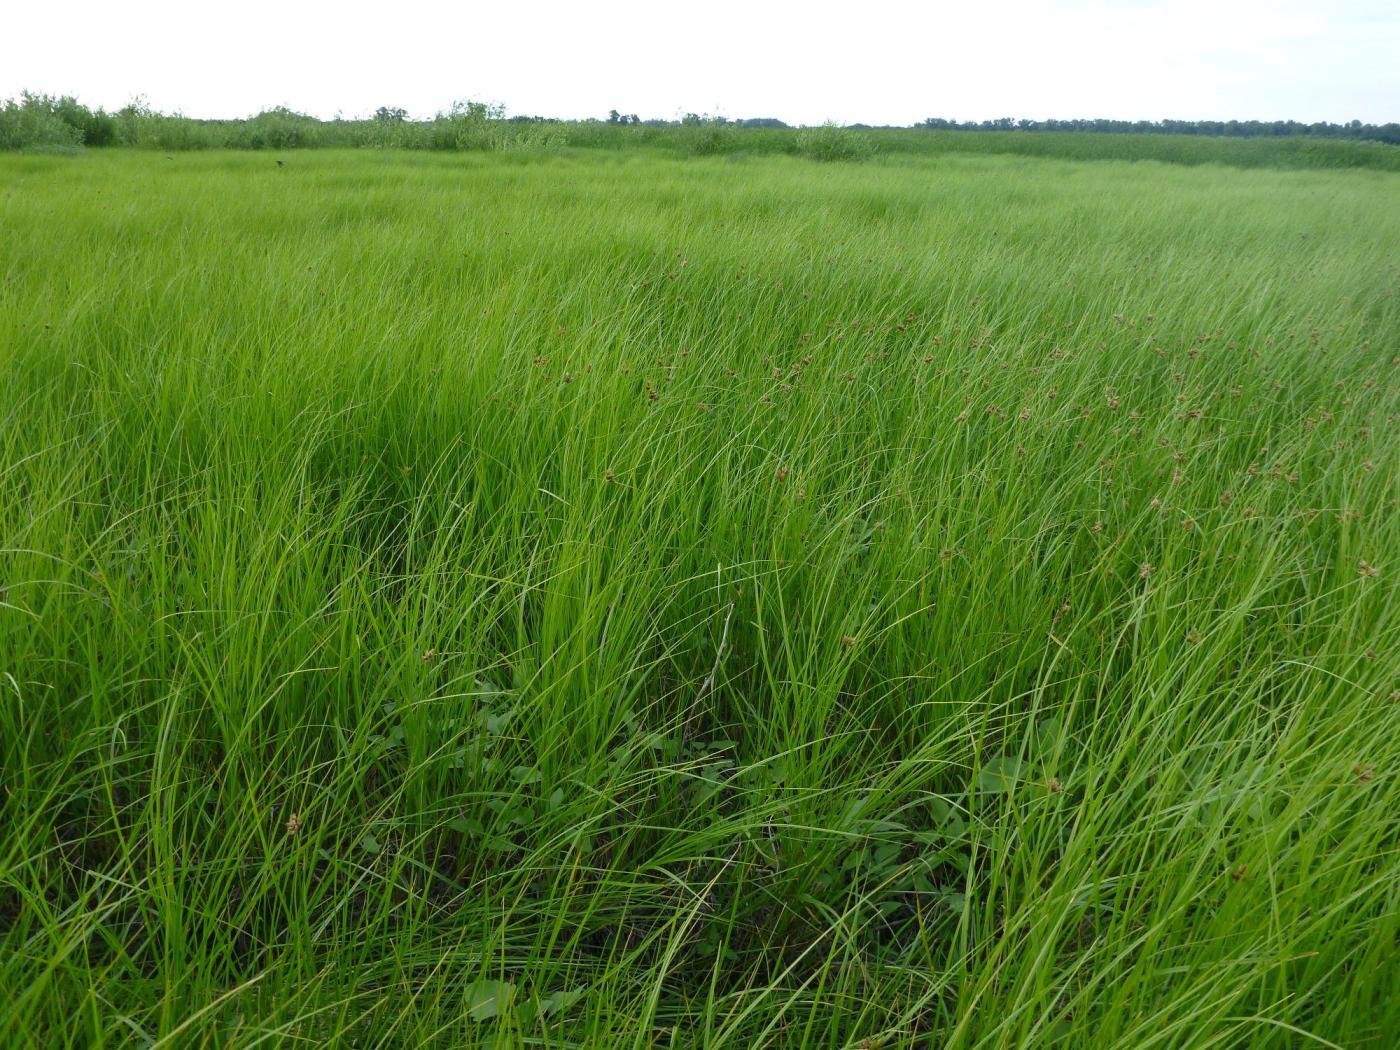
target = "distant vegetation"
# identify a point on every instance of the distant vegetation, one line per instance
(1229, 128)
(58, 124)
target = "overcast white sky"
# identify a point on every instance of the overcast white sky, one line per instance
(876, 61)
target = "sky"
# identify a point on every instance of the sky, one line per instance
(868, 61)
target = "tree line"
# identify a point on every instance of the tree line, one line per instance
(35, 121)
(1354, 129)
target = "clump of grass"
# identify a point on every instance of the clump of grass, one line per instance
(943, 602)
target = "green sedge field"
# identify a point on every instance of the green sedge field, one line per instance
(616, 600)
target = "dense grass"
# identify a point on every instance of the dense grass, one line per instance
(623, 601)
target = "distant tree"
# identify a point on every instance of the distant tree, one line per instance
(391, 114)
(614, 117)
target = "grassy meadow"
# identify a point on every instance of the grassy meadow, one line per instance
(620, 600)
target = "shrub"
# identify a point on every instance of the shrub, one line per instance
(140, 126)
(707, 136)
(32, 122)
(94, 127)
(278, 128)
(531, 138)
(467, 125)
(831, 141)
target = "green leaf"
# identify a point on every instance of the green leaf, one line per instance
(887, 855)
(955, 901)
(1047, 734)
(495, 723)
(488, 999)
(947, 819)
(466, 826)
(558, 1002)
(999, 774)
(370, 844)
